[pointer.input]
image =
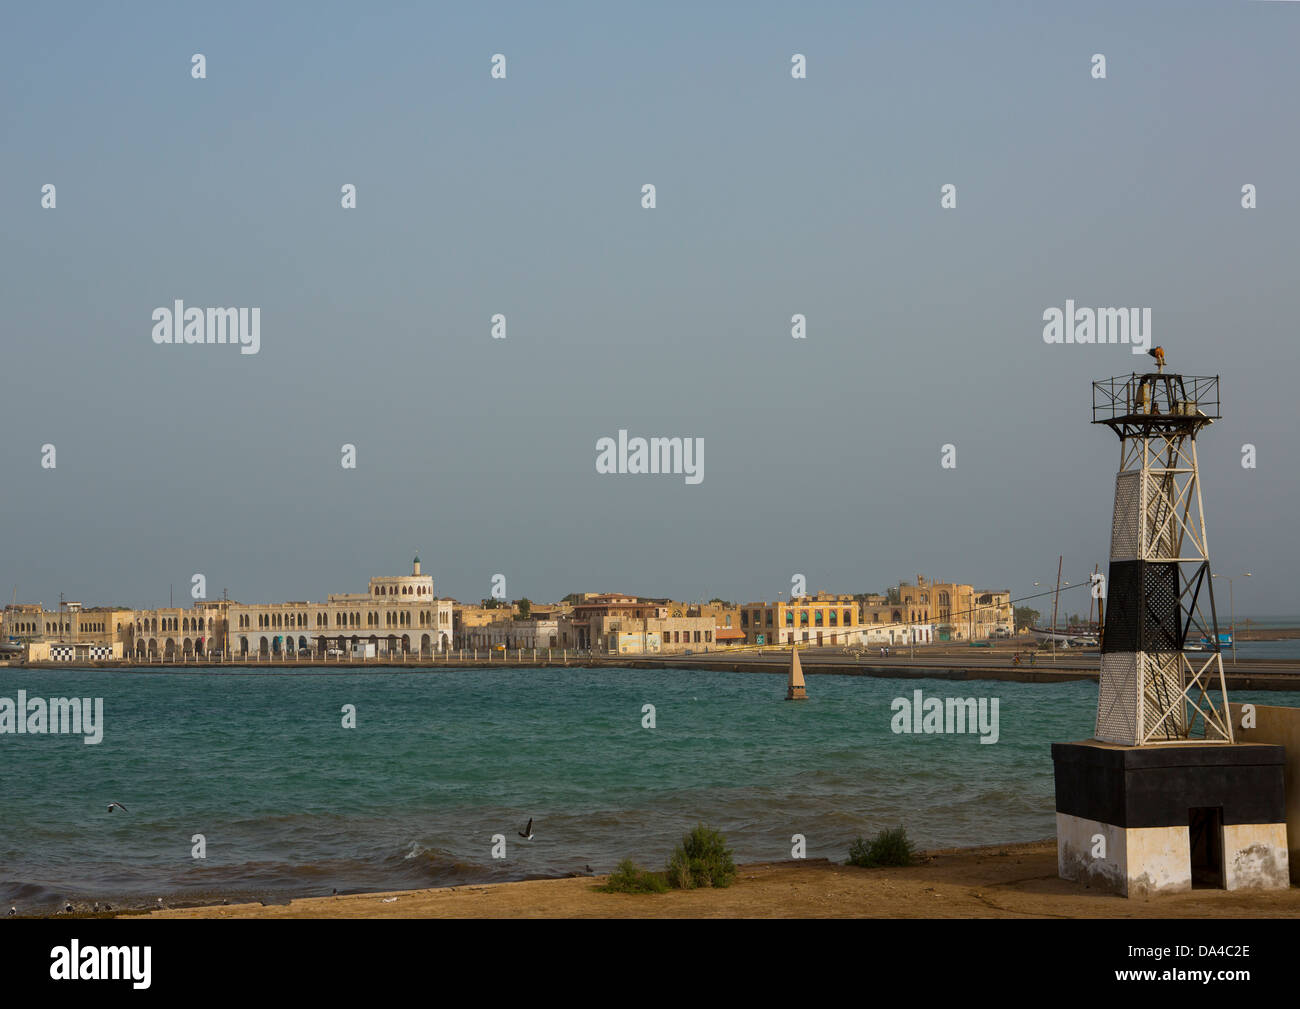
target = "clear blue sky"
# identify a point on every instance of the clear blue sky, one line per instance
(522, 196)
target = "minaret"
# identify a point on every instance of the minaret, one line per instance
(416, 565)
(796, 691)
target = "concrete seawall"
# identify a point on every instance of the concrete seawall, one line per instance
(1265, 676)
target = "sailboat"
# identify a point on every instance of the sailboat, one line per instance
(796, 690)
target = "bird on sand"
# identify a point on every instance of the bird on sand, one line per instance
(527, 832)
(119, 806)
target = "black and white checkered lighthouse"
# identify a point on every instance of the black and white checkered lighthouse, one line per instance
(1162, 798)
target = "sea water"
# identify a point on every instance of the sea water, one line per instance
(256, 772)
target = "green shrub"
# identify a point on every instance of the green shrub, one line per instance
(889, 847)
(702, 859)
(631, 878)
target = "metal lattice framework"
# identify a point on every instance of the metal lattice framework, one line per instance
(1160, 592)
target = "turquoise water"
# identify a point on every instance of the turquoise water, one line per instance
(1286, 649)
(291, 803)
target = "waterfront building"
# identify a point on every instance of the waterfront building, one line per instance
(471, 623)
(71, 633)
(512, 634)
(957, 612)
(884, 624)
(823, 619)
(397, 614)
(620, 624)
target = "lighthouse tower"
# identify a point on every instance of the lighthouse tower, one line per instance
(1160, 595)
(1162, 798)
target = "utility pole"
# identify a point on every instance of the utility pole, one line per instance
(1056, 599)
(1232, 604)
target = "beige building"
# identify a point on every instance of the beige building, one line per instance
(957, 612)
(610, 622)
(823, 619)
(514, 634)
(397, 614)
(71, 633)
(471, 623)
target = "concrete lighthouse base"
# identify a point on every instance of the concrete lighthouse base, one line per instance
(1143, 820)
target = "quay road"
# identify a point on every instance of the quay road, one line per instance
(929, 662)
(962, 664)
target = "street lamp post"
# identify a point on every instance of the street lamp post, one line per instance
(1232, 606)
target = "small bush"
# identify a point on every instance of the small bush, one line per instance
(631, 878)
(889, 847)
(702, 859)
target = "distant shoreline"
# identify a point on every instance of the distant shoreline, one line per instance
(980, 664)
(1245, 633)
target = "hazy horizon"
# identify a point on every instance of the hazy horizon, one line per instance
(522, 196)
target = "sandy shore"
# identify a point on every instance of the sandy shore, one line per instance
(1008, 881)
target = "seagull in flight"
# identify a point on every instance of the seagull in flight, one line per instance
(119, 806)
(527, 832)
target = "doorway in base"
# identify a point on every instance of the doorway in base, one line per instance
(1205, 833)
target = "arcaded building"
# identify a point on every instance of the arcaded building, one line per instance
(397, 614)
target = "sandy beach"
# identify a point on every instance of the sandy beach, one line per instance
(1006, 881)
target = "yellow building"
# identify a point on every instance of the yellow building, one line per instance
(823, 619)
